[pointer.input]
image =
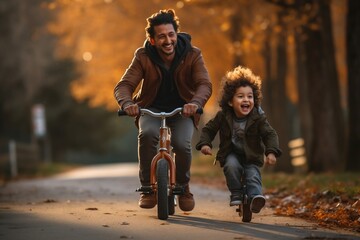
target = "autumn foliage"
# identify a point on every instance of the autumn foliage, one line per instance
(328, 208)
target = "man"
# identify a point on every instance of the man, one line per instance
(171, 73)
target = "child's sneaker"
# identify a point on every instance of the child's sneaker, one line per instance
(257, 203)
(235, 199)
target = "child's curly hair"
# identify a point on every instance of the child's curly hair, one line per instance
(239, 77)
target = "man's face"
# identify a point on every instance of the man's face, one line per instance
(165, 39)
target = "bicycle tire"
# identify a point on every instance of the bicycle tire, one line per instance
(247, 214)
(246, 211)
(162, 177)
(171, 204)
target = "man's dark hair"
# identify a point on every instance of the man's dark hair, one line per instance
(162, 17)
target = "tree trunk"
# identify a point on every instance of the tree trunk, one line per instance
(303, 104)
(353, 61)
(275, 99)
(281, 112)
(236, 37)
(326, 114)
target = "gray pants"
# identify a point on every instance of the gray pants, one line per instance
(234, 170)
(182, 130)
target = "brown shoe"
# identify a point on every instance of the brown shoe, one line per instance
(186, 201)
(147, 200)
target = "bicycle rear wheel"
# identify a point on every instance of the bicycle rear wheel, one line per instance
(162, 177)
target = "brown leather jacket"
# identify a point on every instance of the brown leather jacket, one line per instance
(191, 78)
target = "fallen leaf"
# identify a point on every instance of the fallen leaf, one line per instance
(92, 209)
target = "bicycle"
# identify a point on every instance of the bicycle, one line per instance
(163, 170)
(244, 208)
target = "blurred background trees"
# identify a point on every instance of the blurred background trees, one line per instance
(353, 61)
(69, 54)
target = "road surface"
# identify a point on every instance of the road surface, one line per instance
(100, 202)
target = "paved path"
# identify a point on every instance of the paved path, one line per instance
(99, 202)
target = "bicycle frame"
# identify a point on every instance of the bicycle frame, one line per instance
(163, 168)
(164, 151)
(164, 144)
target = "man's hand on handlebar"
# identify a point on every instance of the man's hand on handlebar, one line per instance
(189, 109)
(132, 110)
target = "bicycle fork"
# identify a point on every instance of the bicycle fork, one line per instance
(164, 153)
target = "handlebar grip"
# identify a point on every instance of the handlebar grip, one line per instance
(121, 113)
(199, 111)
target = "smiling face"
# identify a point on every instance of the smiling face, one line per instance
(165, 39)
(243, 101)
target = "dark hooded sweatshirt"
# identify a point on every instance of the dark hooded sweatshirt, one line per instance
(168, 98)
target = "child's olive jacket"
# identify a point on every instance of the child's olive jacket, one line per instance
(260, 137)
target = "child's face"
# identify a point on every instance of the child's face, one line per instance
(243, 101)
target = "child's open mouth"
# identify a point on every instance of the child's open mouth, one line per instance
(245, 107)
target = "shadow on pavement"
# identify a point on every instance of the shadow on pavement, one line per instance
(259, 230)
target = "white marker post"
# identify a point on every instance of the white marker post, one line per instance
(39, 128)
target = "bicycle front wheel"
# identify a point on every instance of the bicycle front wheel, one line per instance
(171, 206)
(246, 212)
(162, 177)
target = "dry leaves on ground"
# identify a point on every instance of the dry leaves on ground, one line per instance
(327, 208)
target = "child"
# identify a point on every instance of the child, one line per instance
(245, 136)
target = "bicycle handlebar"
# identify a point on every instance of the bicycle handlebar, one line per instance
(160, 114)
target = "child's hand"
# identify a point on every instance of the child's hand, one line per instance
(206, 150)
(270, 159)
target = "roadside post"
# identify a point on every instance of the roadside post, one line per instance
(40, 131)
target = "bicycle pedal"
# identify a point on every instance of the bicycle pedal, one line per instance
(145, 189)
(178, 190)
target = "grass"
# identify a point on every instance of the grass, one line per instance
(39, 171)
(340, 183)
(50, 169)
